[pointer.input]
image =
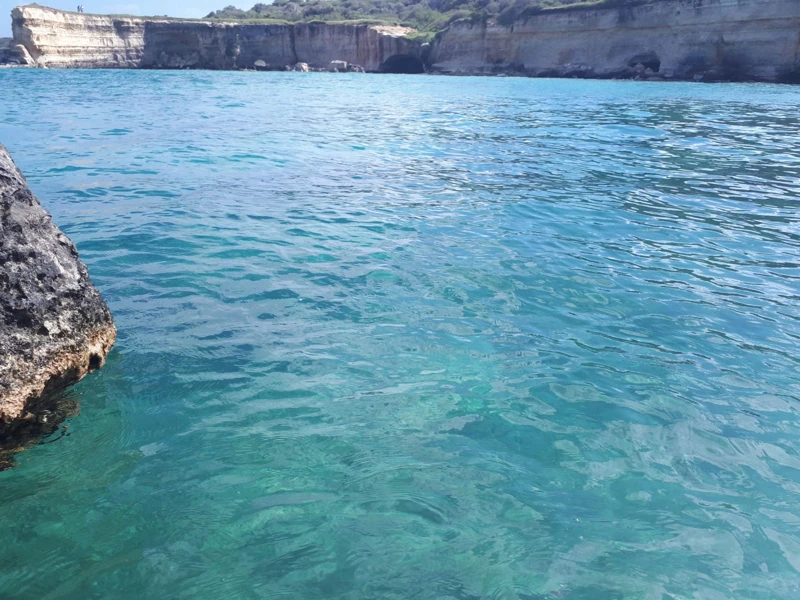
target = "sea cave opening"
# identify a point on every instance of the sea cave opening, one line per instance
(649, 60)
(402, 63)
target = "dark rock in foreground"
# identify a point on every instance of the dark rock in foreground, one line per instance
(54, 326)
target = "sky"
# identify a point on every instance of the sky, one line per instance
(172, 8)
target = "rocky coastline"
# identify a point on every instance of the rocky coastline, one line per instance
(694, 40)
(59, 39)
(685, 40)
(55, 327)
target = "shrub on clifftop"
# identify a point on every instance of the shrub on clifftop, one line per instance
(424, 15)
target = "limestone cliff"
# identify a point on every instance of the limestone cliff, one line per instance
(62, 39)
(54, 326)
(752, 40)
(685, 39)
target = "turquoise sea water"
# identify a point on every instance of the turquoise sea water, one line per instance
(418, 338)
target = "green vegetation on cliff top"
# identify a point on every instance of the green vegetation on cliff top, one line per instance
(423, 15)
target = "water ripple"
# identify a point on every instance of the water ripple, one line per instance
(397, 337)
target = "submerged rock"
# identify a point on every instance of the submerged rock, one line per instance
(54, 325)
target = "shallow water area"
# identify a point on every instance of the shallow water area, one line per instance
(418, 337)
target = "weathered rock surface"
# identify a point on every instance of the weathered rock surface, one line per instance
(23, 55)
(12, 54)
(54, 326)
(62, 39)
(683, 39)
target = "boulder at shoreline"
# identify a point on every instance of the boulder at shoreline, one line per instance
(54, 325)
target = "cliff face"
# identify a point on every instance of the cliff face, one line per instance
(61, 39)
(368, 46)
(55, 38)
(54, 326)
(683, 39)
(687, 39)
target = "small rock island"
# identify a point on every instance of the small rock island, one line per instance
(54, 325)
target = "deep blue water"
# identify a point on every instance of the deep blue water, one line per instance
(418, 338)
